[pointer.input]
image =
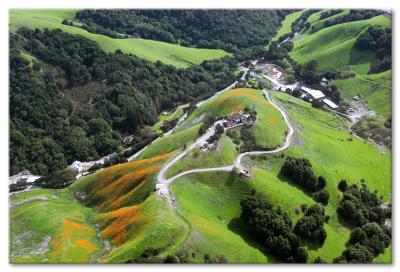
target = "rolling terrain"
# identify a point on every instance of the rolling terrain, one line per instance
(333, 47)
(120, 214)
(151, 50)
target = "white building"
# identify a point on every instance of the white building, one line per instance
(313, 94)
(330, 104)
(23, 176)
(76, 166)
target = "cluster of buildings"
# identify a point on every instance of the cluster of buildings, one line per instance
(236, 119)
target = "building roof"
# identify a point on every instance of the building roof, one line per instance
(316, 94)
(237, 115)
(330, 103)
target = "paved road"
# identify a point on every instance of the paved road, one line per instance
(163, 183)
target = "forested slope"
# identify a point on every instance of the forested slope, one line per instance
(75, 102)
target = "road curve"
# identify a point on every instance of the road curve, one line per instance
(163, 183)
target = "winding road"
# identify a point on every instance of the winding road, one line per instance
(163, 184)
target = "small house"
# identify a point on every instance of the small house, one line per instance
(76, 166)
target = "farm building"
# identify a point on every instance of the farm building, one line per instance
(330, 104)
(312, 94)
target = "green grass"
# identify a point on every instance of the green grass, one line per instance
(178, 113)
(318, 24)
(375, 88)
(68, 225)
(286, 26)
(151, 50)
(323, 139)
(211, 204)
(171, 142)
(31, 59)
(224, 154)
(333, 47)
(270, 126)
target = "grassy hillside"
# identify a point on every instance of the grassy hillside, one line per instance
(376, 89)
(210, 202)
(66, 234)
(333, 47)
(286, 26)
(224, 154)
(173, 54)
(269, 128)
(131, 217)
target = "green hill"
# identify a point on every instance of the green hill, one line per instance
(333, 47)
(269, 128)
(268, 131)
(173, 54)
(210, 201)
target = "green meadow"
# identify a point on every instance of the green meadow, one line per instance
(333, 47)
(151, 50)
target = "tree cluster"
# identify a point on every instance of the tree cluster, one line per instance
(50, 127)
(379, 40)
(371, 236)
(359, 206)
(365, 243)
(299, 171)
(329, 13)
(57, 179)
(272, 227)
(311, 225)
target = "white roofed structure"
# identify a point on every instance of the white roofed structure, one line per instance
(330, 104)
(315, 94)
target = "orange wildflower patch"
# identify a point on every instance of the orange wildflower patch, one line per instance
(115, 184)
(86, 244)
(70, 239)
(120, 220)
(73, 225)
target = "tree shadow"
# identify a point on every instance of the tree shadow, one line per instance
(358, 56)
(285, 179)
(236, 225)
(311, 245)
